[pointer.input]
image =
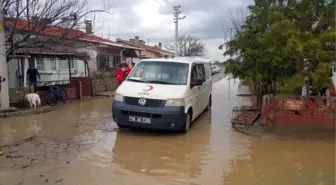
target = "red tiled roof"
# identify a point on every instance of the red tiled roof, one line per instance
(146, 47)
(57, 31)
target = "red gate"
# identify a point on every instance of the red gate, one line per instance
(298, 111)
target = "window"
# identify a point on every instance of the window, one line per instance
(40, 64)
(53, 65)
(106, 62)
(116, 60)
(172, 73)
(111, 61)
(198, 72)
(64, 64)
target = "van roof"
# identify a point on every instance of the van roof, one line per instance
(179, 60)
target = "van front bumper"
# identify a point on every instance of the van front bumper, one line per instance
(162, 118)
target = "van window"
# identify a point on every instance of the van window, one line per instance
(198, 72)
(158, 72)
(207, 71)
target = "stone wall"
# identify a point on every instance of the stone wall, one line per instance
(103, 85)
(16, 94)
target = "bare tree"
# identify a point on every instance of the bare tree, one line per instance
(237, 20)
(45, 23)
(188, 46)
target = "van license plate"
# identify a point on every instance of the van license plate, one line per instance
(139, 119)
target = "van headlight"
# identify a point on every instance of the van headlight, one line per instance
(118, 97)
(175, 102)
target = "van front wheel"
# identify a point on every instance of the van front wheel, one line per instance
(187, 123)
(209, 104)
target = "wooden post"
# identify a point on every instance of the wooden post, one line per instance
(80, 90)
(85, 68)
(69, 64)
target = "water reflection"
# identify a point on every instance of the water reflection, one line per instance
(164, 154)
(279, 162)
(55, 123)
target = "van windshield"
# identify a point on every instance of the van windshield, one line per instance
(172, 73)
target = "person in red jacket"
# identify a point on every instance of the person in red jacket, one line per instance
(122, 72)
(130, 67)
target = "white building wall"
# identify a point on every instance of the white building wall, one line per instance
(334, 73)
(12, 73)
(60, 70)
(48, 71)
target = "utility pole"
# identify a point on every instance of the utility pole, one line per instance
(177, 12)
(4, 92)
(229, 89)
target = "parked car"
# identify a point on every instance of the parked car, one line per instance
(215, 69)
(164, 94)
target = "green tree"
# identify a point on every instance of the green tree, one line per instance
(281, 39)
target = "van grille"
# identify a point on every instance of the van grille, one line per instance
(149, 102)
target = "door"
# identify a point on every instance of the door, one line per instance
(194, 93)
(198, 73)
(203, 92)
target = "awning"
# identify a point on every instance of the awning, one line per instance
(46, 52)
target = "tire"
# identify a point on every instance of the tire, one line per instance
(209, 104)
(51, 99)
(63, 95)
(187, 123)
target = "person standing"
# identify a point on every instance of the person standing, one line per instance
(32, 74)
(2, 79)
(121, 73)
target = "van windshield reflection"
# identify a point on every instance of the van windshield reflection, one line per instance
(158, 72)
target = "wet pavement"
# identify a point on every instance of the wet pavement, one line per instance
(79, 144)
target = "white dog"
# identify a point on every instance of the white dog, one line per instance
(33, 100)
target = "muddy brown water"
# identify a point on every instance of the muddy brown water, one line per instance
(79, 144)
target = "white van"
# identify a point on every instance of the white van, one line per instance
(164, 94)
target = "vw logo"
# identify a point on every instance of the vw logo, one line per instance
(142, 101)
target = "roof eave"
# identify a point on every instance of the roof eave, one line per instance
(112, 44)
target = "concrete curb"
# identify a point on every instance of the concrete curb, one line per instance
(243, 90)
(247, 132)
(105, 94)
(28, 112)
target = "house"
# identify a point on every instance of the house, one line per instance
(80, 54)
(59, 54)
(148, 51)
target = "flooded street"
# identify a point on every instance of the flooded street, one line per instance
(79, 144)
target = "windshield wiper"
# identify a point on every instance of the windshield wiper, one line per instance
(136, 80)
(159, 82)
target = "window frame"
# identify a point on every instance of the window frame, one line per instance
(37, 60)
(72, 64)
(53, 63)
(196, 67)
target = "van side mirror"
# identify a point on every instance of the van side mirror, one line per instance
(196, 82)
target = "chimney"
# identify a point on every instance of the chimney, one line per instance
(160, 45)
(136, 38)
(88, 26)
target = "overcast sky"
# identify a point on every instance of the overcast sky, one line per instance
(152, 19)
